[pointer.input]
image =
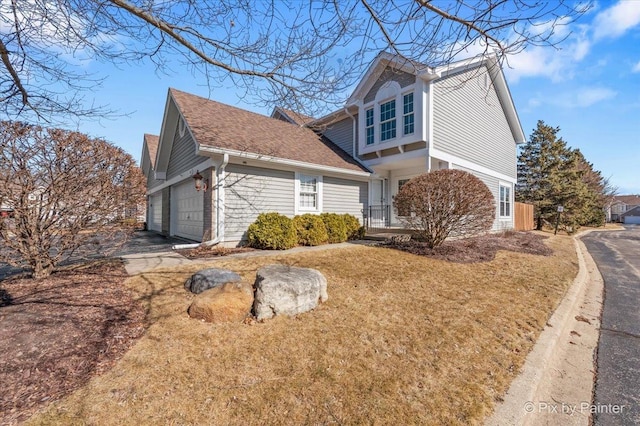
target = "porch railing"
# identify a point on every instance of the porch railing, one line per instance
(377, 218)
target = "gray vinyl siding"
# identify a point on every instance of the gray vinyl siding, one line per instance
(404, 79)
(183, 155)
(151, 181)
(344, 196)
(493, 183)
(341, 133)
(250, 191)
(469, 122)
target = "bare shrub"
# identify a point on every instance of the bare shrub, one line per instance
(445, 203)
(66, 191)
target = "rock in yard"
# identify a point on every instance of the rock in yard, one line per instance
(287, 290)
(210, 278)
(230, 302)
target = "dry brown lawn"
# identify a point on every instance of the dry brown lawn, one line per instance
(403, 339)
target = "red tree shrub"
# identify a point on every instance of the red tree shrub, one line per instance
(445, 203)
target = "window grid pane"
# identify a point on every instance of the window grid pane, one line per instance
(308, 192)
(409, 126)
(369, 126)
(388, 130)
(388, 120)
(505, 201)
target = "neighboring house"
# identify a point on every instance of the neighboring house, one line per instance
(620, 205)
(631, 216)
(402, 120)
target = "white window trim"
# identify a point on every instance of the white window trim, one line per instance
(373, 125)
(301, 210)
(381, 122)
(510, 187)
(413, 112)
(389, 91)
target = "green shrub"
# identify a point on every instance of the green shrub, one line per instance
(335, 226)
(310, 229)
(354, 230)
(272, 231)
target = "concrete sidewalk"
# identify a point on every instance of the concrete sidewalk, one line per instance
(142, 262)
(555, 386)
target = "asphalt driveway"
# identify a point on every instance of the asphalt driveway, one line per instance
(141, 242)
(617, 390)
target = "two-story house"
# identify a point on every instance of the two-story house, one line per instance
(620, 205)
(403, 119)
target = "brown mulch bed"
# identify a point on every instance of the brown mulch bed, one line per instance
(477, 249)
(58, 332)
(214, 251)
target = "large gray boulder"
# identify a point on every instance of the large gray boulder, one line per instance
(210, 278)
(287, 290)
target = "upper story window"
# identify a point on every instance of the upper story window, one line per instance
(369, 127)
(505, 201)
(387, 120)
(408, 118)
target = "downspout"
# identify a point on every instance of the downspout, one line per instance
(219, 188)
(430, 125)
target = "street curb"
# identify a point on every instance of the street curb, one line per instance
(518, 403)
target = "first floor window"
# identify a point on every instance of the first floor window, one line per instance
(505, 201)
(308, 195)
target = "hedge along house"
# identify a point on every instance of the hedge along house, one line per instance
(403, 119)
(249, 164)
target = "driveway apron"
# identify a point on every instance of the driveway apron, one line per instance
(617, 390)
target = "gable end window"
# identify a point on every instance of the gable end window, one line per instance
(408, 118)
(505, 201)
(369, 126)
(387, 120)
(308, 196)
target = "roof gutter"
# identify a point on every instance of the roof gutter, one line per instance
(278, 160)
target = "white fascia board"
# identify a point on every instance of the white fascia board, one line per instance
(461, 65)
(380, 161)
(163, 129)
(327, 119)
(207, 150)
(441, 155)
(377, 66)
(182, 176)
(504, 94)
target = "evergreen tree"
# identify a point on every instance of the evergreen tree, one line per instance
(550, 174)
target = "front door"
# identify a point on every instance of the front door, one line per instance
(378, 208)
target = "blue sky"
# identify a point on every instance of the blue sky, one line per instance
(589, 87)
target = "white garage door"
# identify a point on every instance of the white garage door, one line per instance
(188, 204)
(632, 219)
(155, 212)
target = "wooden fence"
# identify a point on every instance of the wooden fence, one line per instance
(524, 217)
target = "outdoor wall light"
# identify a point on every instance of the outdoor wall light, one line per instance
(200, 182)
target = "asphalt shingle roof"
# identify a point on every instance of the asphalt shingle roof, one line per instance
(226, 127)
(152, 146)
(630, 200)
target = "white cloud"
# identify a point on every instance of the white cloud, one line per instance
(590, 96)
(616, 20)
(581, 98)
(636, 67)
